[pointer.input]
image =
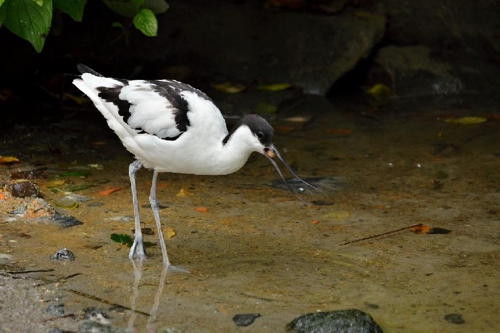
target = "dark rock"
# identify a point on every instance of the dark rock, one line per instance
(23, 188)
(63, 254)
(414, 72)
(245, 319)
(64, 220)
(56, 310)
(462, 36)
(257, 43)
(454, 318)
(343, 321)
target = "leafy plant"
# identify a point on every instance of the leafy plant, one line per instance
(32, 19)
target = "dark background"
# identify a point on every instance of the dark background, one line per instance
(421, 50)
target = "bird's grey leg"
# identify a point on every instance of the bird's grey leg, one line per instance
(156, 211)
(137, 249)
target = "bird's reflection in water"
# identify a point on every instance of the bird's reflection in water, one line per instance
(137, 265)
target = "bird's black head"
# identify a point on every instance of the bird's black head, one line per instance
(260, 128)
(264, 133)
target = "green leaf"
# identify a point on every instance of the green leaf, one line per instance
(73, 8)
(38, 2)
(122, 239)
(1, 2)
(130, 8)
(146, 22)
(29, 21)
(3, 13)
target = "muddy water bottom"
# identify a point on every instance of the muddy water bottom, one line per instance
(255, 248)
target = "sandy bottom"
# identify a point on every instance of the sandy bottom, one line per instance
(257, 249)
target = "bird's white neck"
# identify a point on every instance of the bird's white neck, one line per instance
(234, 153)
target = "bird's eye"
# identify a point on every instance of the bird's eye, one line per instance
(260, 135)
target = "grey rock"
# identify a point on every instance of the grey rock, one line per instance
(342, 321)
(245, 319)
(56, 310)
(63, 254)
(65, 221)
(463, 35)
(414, 72)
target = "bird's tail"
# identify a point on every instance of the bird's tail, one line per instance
(91, 84)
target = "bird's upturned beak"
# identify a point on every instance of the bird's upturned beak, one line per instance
(270, 152)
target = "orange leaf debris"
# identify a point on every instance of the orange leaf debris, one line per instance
(109, 191)
(421, 229)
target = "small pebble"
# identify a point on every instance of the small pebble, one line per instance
(23, 189)
(63, 254)
(245, 319)
(94, 314)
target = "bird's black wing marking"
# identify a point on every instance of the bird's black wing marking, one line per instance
(174, 105)
(112, 95)
(171, 92)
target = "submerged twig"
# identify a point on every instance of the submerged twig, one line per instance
(33, 271)
(382, 234)
(98, 299)
(58, 280)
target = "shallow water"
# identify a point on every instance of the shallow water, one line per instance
(260, 250)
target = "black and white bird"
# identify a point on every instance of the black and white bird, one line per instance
(170, 126)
